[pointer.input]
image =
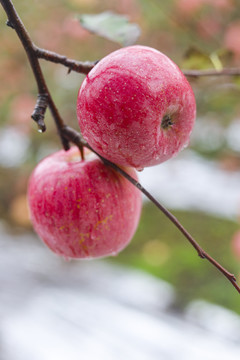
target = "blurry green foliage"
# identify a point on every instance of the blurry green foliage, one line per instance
(196, 59)
(111, 26)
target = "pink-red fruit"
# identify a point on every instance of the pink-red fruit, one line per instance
(82, 209)
(136, 108)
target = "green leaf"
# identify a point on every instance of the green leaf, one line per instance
(112, 27)
(196, 59)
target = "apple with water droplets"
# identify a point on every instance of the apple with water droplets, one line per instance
(136, 107)
(82, 208)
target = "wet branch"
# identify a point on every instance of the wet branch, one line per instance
(68, 135)
(212, 72)
(77, 139)
(39, 111)
(78, 66)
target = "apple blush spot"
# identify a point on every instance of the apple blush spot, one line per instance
(82, 208)
(128, 101)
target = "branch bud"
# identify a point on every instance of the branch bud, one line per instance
(39, 111)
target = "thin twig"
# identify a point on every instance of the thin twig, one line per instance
(39, 111)
(85, 67)
(73, 65)
(212, 72)
(77, 139)
(67, 134)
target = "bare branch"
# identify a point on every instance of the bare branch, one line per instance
(78, 66)
(212, 72)
(39, 111)
(77, 139)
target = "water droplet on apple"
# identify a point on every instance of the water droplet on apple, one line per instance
(156, 156)
(114, 253)
(117, 144)
(40, 130)
(186, 144)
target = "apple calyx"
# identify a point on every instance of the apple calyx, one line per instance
(166, 122)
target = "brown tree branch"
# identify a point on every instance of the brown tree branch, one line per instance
(78, 66)
(77, 139)
(85, 67)
(212, 72)
(39, 111)
(67, 134)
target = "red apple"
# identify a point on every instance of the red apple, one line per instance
(82, 208)
(136, 108)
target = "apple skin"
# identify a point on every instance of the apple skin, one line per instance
(82, 208)
(136, 108)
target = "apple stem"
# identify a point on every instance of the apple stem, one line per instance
(80, 146)
(68, 134)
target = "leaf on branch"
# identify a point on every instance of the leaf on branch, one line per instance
(112, 27)
(196, 59)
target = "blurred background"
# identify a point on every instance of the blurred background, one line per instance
(158, 282)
